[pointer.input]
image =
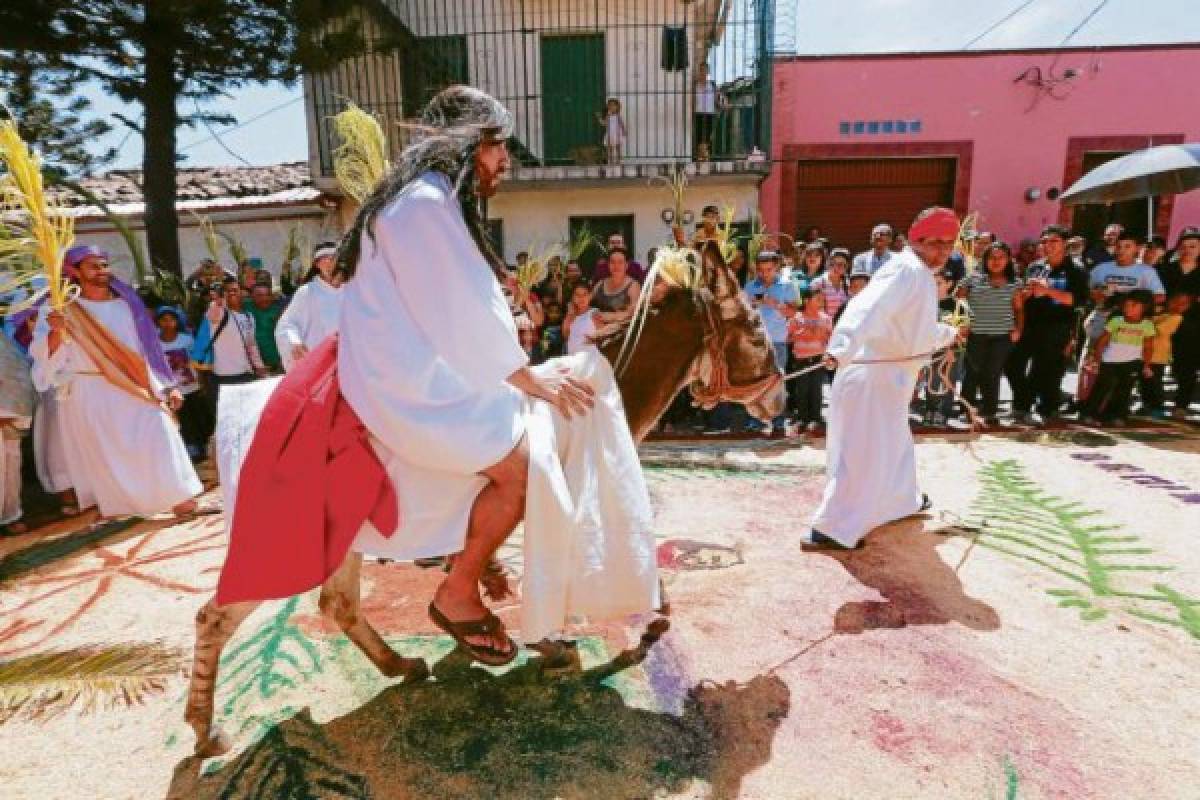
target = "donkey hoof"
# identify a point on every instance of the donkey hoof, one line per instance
(412, 670)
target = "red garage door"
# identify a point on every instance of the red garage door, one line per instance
(847, 197)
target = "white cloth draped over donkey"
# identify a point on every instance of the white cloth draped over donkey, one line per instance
(426, 344)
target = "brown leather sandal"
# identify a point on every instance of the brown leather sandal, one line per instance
(486, 625)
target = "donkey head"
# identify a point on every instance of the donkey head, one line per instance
(704, 335)
(737, 363)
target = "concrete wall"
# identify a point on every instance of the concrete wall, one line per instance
(533, 216)
(1021, 139)
(263, 236)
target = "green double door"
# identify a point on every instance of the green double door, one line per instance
(572, 94)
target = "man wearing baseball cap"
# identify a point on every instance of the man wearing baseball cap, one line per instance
(886, 334)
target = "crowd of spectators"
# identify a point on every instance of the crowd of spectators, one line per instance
(1122, 312)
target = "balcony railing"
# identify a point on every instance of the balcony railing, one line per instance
(555, 64)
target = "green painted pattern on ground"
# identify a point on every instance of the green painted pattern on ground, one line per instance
(1107, 567)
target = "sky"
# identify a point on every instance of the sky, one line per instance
(271, 125)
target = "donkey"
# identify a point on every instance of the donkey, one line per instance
(705, 335)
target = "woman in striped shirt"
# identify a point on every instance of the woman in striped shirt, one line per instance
(997, 317)
(832, 284)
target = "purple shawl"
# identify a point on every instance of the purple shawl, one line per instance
(147, 330)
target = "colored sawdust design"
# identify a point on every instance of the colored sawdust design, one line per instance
(1105, 567)
(475, 733)
(40, 687)
(25, 627)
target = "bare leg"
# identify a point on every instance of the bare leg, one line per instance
(214, 627)
(497, 510)
(340, 602)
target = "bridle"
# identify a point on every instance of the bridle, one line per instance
(709, 374)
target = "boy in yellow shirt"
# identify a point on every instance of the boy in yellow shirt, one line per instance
(1165, 325)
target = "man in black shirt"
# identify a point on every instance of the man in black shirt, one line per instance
(1181, 273)
(1055, 288)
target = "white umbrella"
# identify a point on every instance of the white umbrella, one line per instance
(1166, 169)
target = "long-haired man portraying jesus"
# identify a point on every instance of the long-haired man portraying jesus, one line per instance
(886, 334)
(472, 439)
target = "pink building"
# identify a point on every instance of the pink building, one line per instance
(863, 139)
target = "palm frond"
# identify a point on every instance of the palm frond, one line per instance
(237, 248)
(39, 229)
(42, 686)
(578, 245)
(133, 244)
(169, 288)
(967, 231)
(360, 162)
(536, 268)
(725, 237)
(212, 242)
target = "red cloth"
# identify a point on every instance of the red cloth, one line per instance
(940, 224)
(309, 482)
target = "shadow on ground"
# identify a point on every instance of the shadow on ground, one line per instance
(472, 734)
(902, 563)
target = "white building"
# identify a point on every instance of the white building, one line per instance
(554, 64)
(255, 205)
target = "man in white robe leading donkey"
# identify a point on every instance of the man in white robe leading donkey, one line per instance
(420, 430)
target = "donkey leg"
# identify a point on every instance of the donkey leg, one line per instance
(214, 627)
(340, 602)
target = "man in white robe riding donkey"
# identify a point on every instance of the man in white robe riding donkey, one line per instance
(420, 430)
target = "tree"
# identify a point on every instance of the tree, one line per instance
(160, 55)
(50, 114)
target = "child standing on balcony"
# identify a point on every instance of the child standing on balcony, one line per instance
(614, 130)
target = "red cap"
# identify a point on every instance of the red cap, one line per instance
(934, 223)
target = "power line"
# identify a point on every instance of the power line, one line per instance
(1083, 24)
(240, 125)
(999, 22)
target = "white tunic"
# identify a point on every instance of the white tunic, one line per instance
(49, 444)
(871, 469)
(426, 344)
(124, 455)
(312, 315)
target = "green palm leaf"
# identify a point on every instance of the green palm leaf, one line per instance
(42, 686)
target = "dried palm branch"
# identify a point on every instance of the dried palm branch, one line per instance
(579, 244)
(677, 267)
(676, 185)
(169, 288)
(360, 162)
(39, 229)
(133, 244)
(212, 241)
(725, 237)
(535, 269)
(963, 243)
(237, 248)
(89, 678)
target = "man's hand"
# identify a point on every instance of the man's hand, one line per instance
(829, 361)
(57, 321)
(1014, 335)
(261, 372)
(216, 309)
(174, 399)
(963, 332)
(571, 397)
(299, 351)
(1147, 371)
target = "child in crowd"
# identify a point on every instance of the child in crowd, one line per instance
(614, 130)
(580, 322)
(939, 395)
(1179, 302)
(832, 285)
(808, 334)
(195, 417)
(552, 335)
(528, 336)
(997, 319)
(1123, 351)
